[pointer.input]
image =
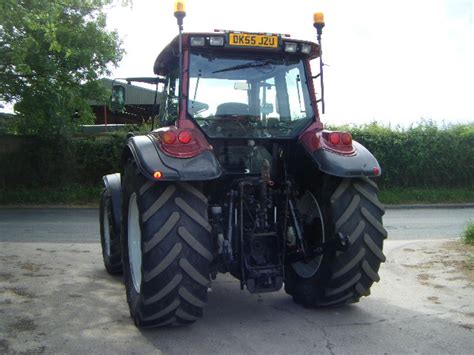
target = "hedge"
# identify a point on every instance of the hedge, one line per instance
(421, 156)
(58, 161)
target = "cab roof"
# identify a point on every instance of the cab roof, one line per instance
(169, 55)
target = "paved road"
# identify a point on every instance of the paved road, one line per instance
(81, 225)
(55, 297)
(432, 223)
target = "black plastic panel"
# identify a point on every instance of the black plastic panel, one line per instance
(358, 165)
(150, 158)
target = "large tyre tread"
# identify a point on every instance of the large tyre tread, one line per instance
(113, 261)
(176, 253)
(181, 310)
(356, 212)
(355, 270)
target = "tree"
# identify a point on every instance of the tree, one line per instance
(52, 53)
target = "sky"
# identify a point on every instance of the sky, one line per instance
(393, 62)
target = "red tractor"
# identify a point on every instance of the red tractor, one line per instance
(240, 177)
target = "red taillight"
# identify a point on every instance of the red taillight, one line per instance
(334, 138)
(157, 175)
(169, 137)
(183, 142)
(346, 138)
(185, 137)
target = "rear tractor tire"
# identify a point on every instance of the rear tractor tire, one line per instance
(351, 207)
(109, 237)
(166, 246)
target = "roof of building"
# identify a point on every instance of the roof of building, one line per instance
(134, 95)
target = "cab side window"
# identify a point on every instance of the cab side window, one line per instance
(169, 108)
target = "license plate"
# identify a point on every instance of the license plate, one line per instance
(249, 40)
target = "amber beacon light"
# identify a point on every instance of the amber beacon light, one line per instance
(180, 8)
(318, 21)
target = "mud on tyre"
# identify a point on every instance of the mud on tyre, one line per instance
(166, 249)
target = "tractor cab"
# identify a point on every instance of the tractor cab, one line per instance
(239, 85)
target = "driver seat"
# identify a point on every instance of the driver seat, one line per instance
(232, 109)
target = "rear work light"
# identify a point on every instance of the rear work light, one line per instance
(216, 41)
(291, 47)
(306, 48)
(197, 41)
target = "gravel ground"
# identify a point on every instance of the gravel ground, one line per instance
(57, 298)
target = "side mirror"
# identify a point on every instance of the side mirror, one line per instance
(117, 100)
(241, 86)
(266, 109)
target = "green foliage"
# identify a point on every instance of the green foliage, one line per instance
(51, 55)
(96, 157)
(72, 194)
(468, 234)
(7, 123)
(421, 156)
(54, 161)
(420, 164)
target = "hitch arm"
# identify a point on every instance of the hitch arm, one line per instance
(339, 243)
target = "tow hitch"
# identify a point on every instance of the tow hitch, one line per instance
(339, 243)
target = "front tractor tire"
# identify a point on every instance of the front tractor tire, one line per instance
(166, 246)
(350, 207)
(109, 236)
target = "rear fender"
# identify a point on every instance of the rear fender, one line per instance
(113, 191)
(150, 159)
(358, 162)
(362, 163)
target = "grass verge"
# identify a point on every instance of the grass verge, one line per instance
(468, 236)
(396, 196)
(86, 195)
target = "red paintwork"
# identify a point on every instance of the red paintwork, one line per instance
(183, 105)
(314, 137)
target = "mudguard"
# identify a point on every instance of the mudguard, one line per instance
(113, 190)
(361, 163)
(149, 158)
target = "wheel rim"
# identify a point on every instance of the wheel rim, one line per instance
(105, 223)
(134, 243)
(311, 215)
